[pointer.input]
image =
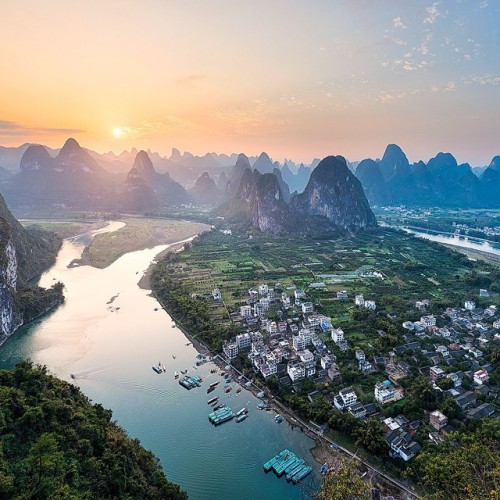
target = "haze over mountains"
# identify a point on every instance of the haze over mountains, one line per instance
(139, 181)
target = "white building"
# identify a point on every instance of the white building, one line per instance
(299, 294)
(342, 295)
(246, 311)
(337, 335)
(307, 307)
(263, 289)
(285, 300)
(408, 325)
(296, 371)
(384, 392)
(481, 377)
(470, 305)
(306, 356)
(259, 309)
(483, 293)
(360, 355)
(428, 321)
(230, 349)
(243, 341)
(496, 324)
(359, 300)
(370, 304)
(216, 294)
(272, 327)
(299, 343)
(346, 397)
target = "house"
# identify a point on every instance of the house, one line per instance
(443, 350)
(345, 398)
(408, 325)
(357, 410)
(307, 307)
(456, 378)
(312, 396)
(299, 294)
(342, 295)
(469, 305)
(436, 373)
(370, 304)
(243, 341)
(438, 420)
(230, 349)
(428, 321)
(385, 392)
(260, 309)
(337, 335)
(496, 324)
(246, 311)
(334, 373)
(296, 371)
(483, 411)
(466, 399)
(422, 305)
(263, 290)
(326, 362)
(285, 300)
(359, 300)
(481, 377)
(365, 366)
(483, 293)
(216, 295)
(360, 355)
(299, 342)
(401, 445)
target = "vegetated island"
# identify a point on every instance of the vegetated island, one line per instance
(55, 443)
(137, 234)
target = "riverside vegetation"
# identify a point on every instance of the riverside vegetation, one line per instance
(54, 443)
(411, 269)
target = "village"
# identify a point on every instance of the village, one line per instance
(285, 340)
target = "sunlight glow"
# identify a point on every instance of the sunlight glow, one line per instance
(117, 132)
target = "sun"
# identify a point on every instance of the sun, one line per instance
(117, 132)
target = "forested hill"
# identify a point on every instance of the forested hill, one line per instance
(54, 443)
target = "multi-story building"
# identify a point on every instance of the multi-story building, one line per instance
(296, 371)
(345, 398)
(342, 295)
(370, 304)
(384, 392)
(360, 355)
(428, 321)
(470, 305)
(307, 307)
(230, 349)
(359, 300)
(481, 377)
(436, 373)
(299, 342)
(216, 294)
(438, 420)
(337, 335)
(243, 341)
(263, 289)
(246, 311)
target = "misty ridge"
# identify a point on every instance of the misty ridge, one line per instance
(35, 176)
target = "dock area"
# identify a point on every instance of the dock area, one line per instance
(190, 382)
(286, 462)
(220, 416)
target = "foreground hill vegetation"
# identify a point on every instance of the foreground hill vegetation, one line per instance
(54, 443)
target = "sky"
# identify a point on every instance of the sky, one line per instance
(296, 78)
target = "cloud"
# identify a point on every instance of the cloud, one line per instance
(10, 128)
(397, 41)
(450, 86)
(483, 5)
(432, 13)
(397, 23)
(190, 79)
(484, 80)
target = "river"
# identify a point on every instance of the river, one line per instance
(108, 334)
(456, 240)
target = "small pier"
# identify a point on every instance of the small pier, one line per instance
(286, 462)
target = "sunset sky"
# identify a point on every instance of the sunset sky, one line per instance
(296, 78)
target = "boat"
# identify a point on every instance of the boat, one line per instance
(72, 375)
(173, 355)
(188, 343)
(242, 417)
(184, 372)
(294, 469)
(269, 464)
(220, 416)
(156, 309)
(157, 369)
(227, 389)
(210, 389)
(238, 390)
(173, 325)
(242, 411)
(176, 374)
(279, 419)
(210, 401)
(261, 394)
(215, 384)
(218, 407)
(302, 474)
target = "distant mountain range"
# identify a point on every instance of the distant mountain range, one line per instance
(34, 176)
(441, 182)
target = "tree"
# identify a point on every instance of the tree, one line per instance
(463, 466)
(344, 483)
(370, 435)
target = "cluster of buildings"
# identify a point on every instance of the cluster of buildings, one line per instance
(292, 349)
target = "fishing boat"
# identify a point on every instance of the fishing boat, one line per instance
(176, 374)
(218, 407)
(188, 343)
(210, 401)
(157, 369)
(279, 419)
(242, 411)
(184, 372)
(215, 384)
(238, 390)
(173, 355)
(227, 389)
(242, 417)
(210, 389)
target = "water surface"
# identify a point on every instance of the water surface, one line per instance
(108, 334)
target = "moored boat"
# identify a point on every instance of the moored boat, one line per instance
(157, 369)
(210, 401)
(242, 417)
